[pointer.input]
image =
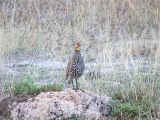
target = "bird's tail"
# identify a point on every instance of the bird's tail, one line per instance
(66, 77)
(69, 81)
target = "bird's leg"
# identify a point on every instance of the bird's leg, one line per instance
(72, 84)
(76, 84)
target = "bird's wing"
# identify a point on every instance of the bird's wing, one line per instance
(69, 69)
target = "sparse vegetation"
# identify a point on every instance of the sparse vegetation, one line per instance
(135, 91)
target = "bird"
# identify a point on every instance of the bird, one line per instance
(75, 66)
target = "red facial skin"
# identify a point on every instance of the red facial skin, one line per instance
(77, 46)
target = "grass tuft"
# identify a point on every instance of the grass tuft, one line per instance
(27, 86)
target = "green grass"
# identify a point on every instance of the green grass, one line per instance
(137, 103)
(27, 86)
(133, 110)
(132, 106)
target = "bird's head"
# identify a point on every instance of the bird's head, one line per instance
(77, 46)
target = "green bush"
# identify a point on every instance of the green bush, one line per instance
(27, 86)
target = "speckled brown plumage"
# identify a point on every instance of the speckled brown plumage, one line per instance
(75, 67)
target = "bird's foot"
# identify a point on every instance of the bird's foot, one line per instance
(81, 90)
(76, 89)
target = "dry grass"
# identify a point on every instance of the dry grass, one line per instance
(53, 25)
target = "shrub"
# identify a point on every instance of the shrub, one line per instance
(27, 86)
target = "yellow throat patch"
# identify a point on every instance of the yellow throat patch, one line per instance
(77, 48)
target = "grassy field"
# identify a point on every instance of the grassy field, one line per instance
(120, 42)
